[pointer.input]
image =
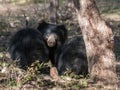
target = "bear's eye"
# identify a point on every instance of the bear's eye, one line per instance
(46, 36)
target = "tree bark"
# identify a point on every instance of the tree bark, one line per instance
(99, 42)
(53, 7)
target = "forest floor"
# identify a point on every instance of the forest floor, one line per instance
(12, 19)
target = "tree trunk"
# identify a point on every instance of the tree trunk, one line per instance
(99, 42)
(53, 7)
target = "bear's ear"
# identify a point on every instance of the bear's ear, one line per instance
(42, 24)
(62, 26)
(64, 30)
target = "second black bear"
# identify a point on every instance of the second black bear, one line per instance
(54, 35)
(72, 55)
(27, 45)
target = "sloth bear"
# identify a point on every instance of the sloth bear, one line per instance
(72, 56)
(26, 46)
(54, 36)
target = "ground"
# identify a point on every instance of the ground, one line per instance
(12, 18)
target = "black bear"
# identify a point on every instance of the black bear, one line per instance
(54, 35)
(27, 45)
(72, 56)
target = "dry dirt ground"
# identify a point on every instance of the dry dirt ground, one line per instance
(12, 18)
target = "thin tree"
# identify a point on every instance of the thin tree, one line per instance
(53, 7)
(99, 42)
